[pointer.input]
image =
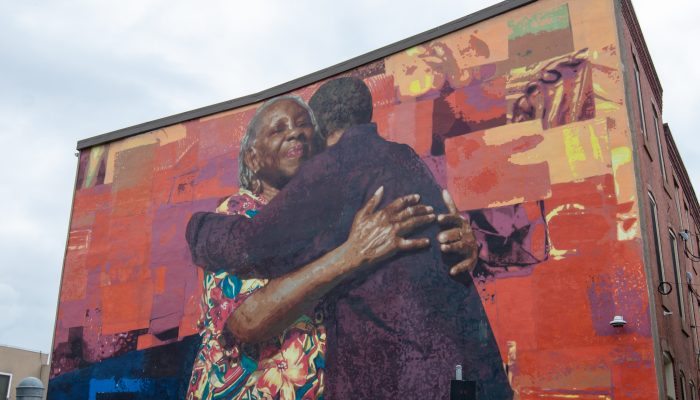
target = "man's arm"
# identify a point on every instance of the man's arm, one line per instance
(269, 245)
(374, 236)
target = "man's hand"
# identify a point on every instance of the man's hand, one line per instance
(379, 234)
(456, 236)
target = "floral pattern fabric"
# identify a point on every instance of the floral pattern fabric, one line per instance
(287, 367)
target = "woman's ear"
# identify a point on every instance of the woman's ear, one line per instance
(252, 160)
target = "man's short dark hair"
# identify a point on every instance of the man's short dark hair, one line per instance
(341, 103)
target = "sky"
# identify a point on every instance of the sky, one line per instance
(73, 69)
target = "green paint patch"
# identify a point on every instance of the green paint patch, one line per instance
(547, 21)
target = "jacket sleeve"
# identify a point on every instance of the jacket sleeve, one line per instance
(298, 225)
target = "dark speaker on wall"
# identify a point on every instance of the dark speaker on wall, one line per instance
(462, 390)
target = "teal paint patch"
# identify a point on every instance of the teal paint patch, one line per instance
(547, 21)
(231, 286)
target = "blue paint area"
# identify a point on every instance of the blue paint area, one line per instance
(231, 287)
(158, 373)
(320, 362)
(115, 386)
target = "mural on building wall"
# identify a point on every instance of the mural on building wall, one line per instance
(276, 250)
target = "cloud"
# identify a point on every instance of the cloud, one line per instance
(668, 29)
(9, 307)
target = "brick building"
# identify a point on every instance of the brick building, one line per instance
(670, 210)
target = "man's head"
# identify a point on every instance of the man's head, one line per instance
(341, 103)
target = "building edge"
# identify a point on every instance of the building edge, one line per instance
(63, 268)
(622, 19)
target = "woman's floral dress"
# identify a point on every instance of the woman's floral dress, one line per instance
(287, 367)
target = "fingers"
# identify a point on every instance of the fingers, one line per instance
(373, 202)
(454, 247)
(414, 211)
(413, 223)
(450, 220)
(450, 235)
(449, 202)
(465, 266)
(402, 202)
(413, 244)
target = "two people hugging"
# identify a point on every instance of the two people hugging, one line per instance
(327, 275)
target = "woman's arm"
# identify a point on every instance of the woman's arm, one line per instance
(374, 236)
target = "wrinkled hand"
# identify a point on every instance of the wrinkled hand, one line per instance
(377, 235)
(456, 236)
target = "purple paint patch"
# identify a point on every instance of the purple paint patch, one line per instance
(506, 239)
(436, 165)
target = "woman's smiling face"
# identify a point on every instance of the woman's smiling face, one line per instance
(283, 142)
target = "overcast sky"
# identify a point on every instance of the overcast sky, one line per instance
(76, 68)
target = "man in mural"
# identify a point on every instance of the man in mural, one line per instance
(273, 312)
(395, 331)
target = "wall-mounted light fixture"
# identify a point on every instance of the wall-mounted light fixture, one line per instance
(618, 322)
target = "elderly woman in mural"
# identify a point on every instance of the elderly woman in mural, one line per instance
(288, 357)
(394, 331)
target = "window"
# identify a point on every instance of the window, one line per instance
(669, 377)
(659, 145)
(678, 199)
(5, 382)
(683, 392)
(657, 238)
(677, 272)
(638, 81)
(693, 322)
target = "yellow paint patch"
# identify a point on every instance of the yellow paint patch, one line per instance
(413, 51)
(573, 152)
(573, 148)
(514, 200)
(559, 254)
(93, 165)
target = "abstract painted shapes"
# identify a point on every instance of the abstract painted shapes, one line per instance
(540, 36)
(220, 133)
(126, 306)
(132, 184)
(92, 167)
(479, 105)
(518, 162)
(409, 123)
(512, 238)
(160, 137)
(425, 69)
(382, 89)
(482, 175)
(573, 152)
(557, 92)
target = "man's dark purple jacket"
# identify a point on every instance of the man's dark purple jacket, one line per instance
(395, 332)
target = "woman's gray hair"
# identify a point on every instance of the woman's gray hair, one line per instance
(246, 175)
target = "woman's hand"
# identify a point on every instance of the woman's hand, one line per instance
(377, 235)
(457, 237)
